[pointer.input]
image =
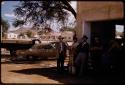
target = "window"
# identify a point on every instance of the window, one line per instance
(119, 31)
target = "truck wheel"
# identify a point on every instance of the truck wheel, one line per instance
(28, 58)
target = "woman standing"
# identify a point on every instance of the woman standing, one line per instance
(82, 57)
(73, 55)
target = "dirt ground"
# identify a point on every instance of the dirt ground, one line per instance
(44, 72)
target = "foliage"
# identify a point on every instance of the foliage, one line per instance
(39, 12)
(67, 29)
(21, 34)
(29, 33)
(17, 23)
(5, 25)
(45, 30)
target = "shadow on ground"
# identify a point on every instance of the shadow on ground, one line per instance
(66, 78)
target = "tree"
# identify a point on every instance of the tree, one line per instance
(21, 34)
(48, 29)
(17, 23)
(45, 30)
(5, 25)
(39, 12)
(67, 29)
(29, 33)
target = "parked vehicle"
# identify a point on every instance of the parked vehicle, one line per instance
(42, 51)
(17, 44)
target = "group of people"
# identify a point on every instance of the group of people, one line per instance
(80, 52)
(79, 56)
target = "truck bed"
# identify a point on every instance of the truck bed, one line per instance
(16, 44)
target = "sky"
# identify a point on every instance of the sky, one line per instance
(7, 13)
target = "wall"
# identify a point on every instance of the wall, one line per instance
(97, 11)
(12, 36)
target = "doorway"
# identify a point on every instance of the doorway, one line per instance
(105, 30)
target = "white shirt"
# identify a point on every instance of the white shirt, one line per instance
(61, 46)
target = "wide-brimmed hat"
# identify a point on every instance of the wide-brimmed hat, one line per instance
(60, 37)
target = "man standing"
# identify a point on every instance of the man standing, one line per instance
(62, 48)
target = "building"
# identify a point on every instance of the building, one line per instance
(53, 36)
(22, 33)
(98, 18)
(11, 36)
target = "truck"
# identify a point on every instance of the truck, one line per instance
(15, 44)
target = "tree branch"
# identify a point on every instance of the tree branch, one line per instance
(69, 7)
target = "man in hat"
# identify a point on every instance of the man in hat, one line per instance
(62, 48)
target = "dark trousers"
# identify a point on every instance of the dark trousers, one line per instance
(96, 61)
(60, 62)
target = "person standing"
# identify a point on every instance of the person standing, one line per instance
(115, 54)
(82, 57)
(73, 55)
(96, 53)
(62, 48)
